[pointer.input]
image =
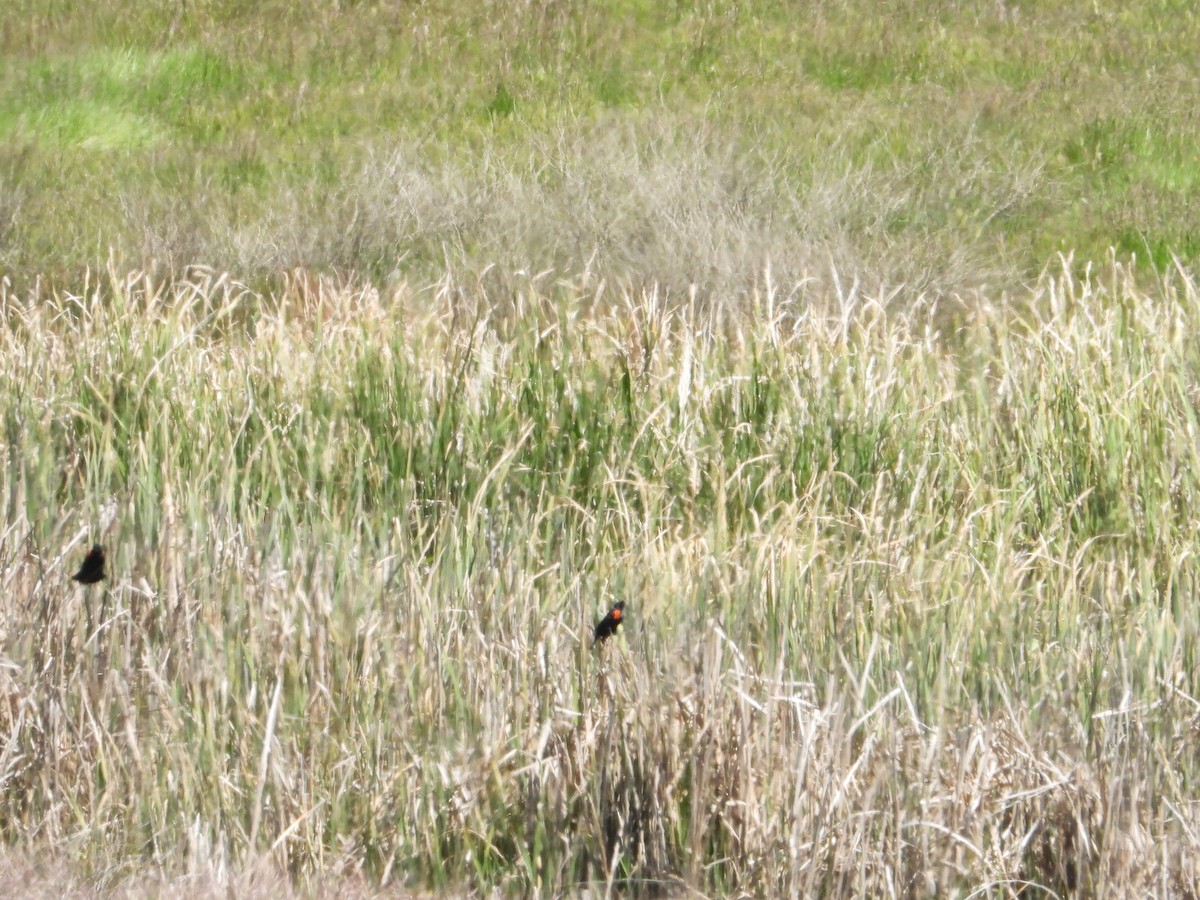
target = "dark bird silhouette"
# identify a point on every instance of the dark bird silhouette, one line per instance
(608, 626)
(92, 569)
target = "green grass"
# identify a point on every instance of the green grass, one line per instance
(877, 576)
(957, 144)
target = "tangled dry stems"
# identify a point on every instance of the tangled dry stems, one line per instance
(909, 608)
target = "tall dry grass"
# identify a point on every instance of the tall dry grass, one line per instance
(910, 610)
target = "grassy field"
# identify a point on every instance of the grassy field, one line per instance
(385, 345)
(939, 145)
(909, 612)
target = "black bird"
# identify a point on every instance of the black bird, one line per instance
(608, 626)
(92, 569)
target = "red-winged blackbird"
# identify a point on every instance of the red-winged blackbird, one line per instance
(608, 626)
(92, 569)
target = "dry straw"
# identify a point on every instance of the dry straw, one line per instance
(910, 591)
